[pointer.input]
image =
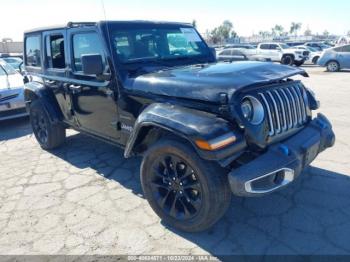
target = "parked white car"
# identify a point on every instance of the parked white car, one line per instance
(11, 92)
(314, 53)
(280, 52)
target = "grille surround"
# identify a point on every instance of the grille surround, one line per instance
(286, 108)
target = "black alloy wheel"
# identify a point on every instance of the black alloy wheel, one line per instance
(176, 188)
(40, 126)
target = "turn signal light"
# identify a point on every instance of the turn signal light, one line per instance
(216, 143)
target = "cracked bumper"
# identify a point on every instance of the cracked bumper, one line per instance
(284, 161)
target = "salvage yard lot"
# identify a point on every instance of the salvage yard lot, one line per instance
(85, 198)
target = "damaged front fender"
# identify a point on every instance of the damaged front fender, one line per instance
(189, 124)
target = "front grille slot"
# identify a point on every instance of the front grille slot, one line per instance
(286, 108)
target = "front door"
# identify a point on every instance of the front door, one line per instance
(93, 100)
(275, 52)
(344, 57)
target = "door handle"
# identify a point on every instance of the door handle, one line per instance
(75, 88)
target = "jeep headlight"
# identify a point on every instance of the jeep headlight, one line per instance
(252, 110)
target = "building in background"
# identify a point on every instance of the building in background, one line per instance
(9, 47)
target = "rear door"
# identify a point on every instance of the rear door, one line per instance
(93, 98)
(344, 57)
(264, 51)
(55, 66)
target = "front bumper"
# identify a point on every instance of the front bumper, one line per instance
(284, 161)
(12, 104)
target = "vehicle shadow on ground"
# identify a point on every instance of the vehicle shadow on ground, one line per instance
(14, 128)
(310, 216)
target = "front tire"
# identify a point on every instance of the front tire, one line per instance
(287, 60)
(185, 191)
(48, 135)
(333, 66)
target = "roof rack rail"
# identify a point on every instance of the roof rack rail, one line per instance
(77, 24)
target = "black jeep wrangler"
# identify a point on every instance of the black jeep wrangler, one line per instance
(204, 129)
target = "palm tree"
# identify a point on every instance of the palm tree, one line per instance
(278, 29)
(294, 28)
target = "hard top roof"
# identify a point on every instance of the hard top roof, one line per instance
(89, 24)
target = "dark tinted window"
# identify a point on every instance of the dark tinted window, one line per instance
(274, 47)
(55, 51)
(33, 49)
(85, 44)
(346, 48)
(338, 49)
(264, 46)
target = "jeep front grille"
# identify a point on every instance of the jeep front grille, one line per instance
(286, 108)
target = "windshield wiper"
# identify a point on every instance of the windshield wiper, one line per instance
(198, 60)
(139, 65)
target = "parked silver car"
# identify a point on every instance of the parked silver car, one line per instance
(231, 55)
(336, 58)
(11, 92)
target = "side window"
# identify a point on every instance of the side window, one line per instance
(345, 48)
(265, 46)
(55, 51)
(338, 49)
(33, 50)
(226, 52)
(273, 47)
(85, 44)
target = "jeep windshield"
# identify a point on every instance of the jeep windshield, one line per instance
(159, 46)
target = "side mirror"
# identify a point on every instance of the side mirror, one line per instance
(278, 48)
(92, 64)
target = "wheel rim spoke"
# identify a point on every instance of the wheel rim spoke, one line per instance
(173, 211)
(192, 185)
(163, 199)
(176, 187)
(159, 185)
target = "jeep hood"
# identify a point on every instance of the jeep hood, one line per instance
(206, 82)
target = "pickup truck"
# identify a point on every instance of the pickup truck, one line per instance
(279, 52)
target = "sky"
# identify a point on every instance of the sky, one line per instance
(247, 16)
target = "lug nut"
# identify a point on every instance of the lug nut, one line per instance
(180, 192)
(174, 178)
(169, 183)
(180, 184)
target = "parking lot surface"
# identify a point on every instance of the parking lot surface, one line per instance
(85, 198)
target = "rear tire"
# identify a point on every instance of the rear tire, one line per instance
(287, 60)
(186, 192)
(333, 66)
(48, 135)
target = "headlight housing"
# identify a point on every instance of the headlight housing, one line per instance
(252, 110)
